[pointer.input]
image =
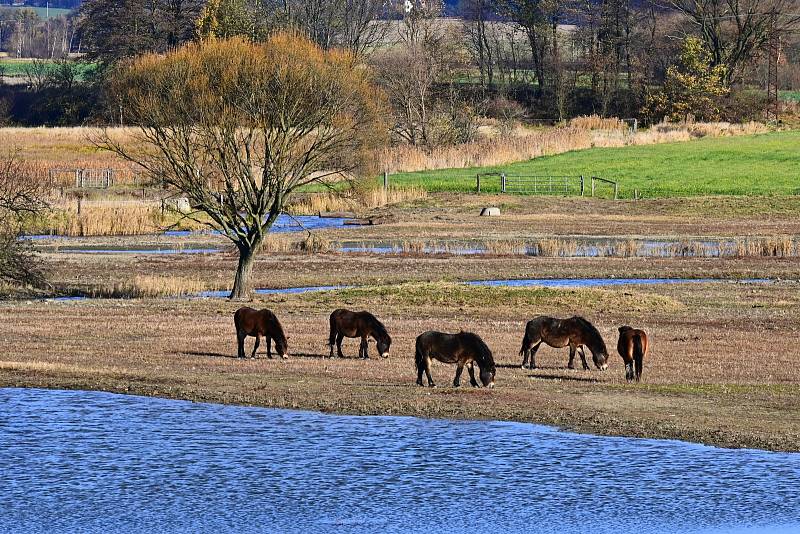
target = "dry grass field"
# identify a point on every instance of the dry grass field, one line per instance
(724, 355)
(723, 366)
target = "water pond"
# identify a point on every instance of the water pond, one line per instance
(603, 282)
(97, 462)
(284, 224)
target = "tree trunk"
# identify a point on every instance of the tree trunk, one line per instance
(241, 285)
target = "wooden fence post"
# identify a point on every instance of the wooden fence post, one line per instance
(582, 185)
(616, 190)
(478, 182)
(385, 179)
(592, 186)
(503, 182)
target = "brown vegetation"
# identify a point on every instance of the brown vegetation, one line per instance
(527, 144)
(694, 389)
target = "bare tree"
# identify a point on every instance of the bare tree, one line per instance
(476, 28)
(357, 25)
(118, 29)
(21, 196)
(737, 31)
(238, 127)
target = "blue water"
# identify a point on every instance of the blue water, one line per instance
(283, 224)
(157, 251)
(542, 282)
(600, 282)
(284, 291)
(96, 462)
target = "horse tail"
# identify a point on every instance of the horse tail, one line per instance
(526, 341)
(418, 356)
(638, 354)
(334, 331)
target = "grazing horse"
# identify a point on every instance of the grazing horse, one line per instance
(632, 346)
(558, 333)
(462, 349)
(257, 323)
(345, 323)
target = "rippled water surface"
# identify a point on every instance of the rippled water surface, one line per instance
(86, 461)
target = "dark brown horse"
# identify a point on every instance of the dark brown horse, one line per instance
(345, 323)
(461, 349)
(632, 346)
(257, 323)
(575, 332)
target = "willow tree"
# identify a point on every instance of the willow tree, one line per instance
(238, 127)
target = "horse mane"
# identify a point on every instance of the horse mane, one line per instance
(593, 332)
(380, 330)
(486, 360)
(280, 331)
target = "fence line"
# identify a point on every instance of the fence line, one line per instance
(87, 178)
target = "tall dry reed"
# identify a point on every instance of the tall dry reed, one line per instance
(528, 144)
(356, 200)
(151, 287)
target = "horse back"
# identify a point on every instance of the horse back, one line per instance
(257, 322)
(438, 345)
(632, 341)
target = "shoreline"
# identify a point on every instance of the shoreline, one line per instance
(567, 422)
(552, 427)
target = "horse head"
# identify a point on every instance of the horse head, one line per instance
(282, 347)
(384, 342)
(596, 345)
(487, 375)
(600, 357)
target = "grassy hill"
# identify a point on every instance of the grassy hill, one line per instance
(766, 164)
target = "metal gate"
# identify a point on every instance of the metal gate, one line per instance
(550, 185)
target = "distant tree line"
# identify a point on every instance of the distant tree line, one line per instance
(506, 59)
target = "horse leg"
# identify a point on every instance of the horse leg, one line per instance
(525, 350)
(240, 343)
(571, 363)
(339, 338)
(427, 363)
(583, 358)
(255, 347)
(363, 351)
(457, 379)
(269, 347)
(533, 354)
(471, 369)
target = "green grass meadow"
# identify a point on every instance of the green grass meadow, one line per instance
(42, 12)
(17, 67)
(765, 164)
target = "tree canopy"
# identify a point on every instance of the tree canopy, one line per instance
(238, 127)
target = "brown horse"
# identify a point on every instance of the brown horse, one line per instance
(257, 323)
(632, 346)
(575, 332)
(461, 349)
(345, 323)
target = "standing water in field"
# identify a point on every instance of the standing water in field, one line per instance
(98, 462)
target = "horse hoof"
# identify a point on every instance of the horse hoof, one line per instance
(285, 357)
(431, 385)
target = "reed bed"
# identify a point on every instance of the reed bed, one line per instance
(151, 287)
(523, 145)
(356, 200)
(596, 122)
(313, 243)
(58, 148)
(107, 218)
(779, 246)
